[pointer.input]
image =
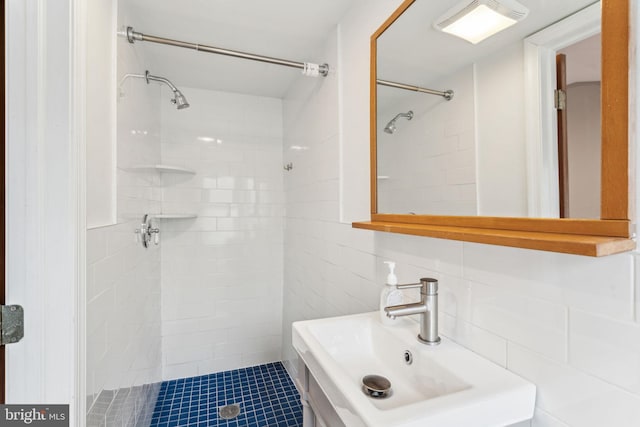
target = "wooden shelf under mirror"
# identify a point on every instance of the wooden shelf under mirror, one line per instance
(612, 233)
(578, 244)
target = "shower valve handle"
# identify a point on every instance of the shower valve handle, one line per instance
(156, 235)
(146, 231)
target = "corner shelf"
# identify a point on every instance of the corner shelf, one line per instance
(175, 216)
(160, 169)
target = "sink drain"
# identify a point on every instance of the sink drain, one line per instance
(229, 412)
(376, 386)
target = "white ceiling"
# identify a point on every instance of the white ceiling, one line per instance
(412, 51)
(286, 29)
(297, 30)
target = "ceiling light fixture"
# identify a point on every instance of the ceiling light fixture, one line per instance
(475, 20)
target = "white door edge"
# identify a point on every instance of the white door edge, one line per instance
(45, 201)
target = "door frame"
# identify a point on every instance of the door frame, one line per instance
(562, 138)
(45, 201)
(2, 192)
(541, 121)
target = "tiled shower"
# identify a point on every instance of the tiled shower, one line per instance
(208, 297)
(215, 278)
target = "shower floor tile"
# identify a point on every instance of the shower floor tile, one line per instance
(265, 393)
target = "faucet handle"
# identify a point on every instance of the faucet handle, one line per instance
(409, 286)
(427, 285)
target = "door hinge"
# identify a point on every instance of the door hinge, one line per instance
(560, 99)
(11, 324)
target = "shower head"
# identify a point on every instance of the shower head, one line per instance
(179, 100)
(391, 126)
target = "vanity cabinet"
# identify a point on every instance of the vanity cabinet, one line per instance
(317, 410)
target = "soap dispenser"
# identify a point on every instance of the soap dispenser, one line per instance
(390, 295)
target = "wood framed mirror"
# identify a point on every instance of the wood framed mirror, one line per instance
(612, 232)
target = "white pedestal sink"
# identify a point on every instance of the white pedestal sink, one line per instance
(444, 385)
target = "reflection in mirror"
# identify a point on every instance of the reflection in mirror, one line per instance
(581, 141)
(482, 152)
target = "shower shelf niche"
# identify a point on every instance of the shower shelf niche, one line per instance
(160, 169)
(175, 216)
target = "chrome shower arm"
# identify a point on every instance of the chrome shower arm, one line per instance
(179, 99)
(408, 116)
(149, 77)
(131, 75)
(161, 80)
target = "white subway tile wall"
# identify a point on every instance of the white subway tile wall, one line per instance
(222, 271)
(124, 367)
(567, 323)
(123, 320)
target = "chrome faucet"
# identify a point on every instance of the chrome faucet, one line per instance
(427, 308)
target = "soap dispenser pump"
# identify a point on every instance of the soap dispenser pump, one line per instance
(390, 295)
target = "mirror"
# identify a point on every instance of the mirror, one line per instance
(612, 233)
(498, 147)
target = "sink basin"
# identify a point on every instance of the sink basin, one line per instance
(444, 385)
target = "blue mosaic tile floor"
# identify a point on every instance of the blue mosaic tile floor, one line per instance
(265, 393)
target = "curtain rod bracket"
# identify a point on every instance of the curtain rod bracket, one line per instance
(132, 36)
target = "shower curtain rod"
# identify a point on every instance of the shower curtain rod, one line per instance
(447, 94)
(308, 68)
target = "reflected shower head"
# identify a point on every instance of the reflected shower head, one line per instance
(391, 126)
(179, 100)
